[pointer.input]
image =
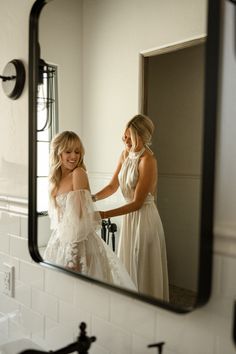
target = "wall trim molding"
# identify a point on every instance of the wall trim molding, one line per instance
(225, 240)
(14, 205)
(179, 176)
(224, 235)
(100, 175)
(173, 46)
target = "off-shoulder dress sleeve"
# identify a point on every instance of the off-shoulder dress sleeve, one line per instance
(79, 218)
(75, 244)
(53, 215)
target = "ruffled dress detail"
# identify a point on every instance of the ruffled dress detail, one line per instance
(75, 244)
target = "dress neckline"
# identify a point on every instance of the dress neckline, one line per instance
(71, 191)
(136, 154)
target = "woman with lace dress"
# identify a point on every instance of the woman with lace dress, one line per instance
(74, 243)
(141, 246)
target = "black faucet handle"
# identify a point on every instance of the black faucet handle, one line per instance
(81, 345)
(82, 328)
(159, 346)
(83, 340)
(112, 227)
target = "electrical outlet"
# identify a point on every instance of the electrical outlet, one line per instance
(8, 279)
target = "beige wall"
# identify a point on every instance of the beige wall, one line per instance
(114, 34)
(175, 89)
(13, 132)
(60, 38)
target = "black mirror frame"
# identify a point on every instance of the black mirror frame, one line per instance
(208, 164)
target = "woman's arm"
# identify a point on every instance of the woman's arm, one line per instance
(147, 177)
(112, 186)
(80, 179)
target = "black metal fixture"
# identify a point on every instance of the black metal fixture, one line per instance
(107, 228)
(159, 346)
(46, 93)
(81, 346)
(234, 323)
(13, 79)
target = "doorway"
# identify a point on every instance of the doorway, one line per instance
(172, 92)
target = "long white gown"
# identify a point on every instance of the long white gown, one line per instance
(142, 246)
(74, 243)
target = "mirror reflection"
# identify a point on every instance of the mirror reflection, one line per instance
(94, 76)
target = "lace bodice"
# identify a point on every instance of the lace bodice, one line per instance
(74, 215)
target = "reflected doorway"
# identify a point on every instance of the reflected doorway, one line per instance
(172, 93)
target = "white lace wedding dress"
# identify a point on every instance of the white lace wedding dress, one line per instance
(74, 243)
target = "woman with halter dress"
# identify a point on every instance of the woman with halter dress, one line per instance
(141, 246)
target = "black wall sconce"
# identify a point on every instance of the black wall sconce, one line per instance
(13, 79)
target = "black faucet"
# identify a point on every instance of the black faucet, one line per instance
(81, 345)
(159, 346)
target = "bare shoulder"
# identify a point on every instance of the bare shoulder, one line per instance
(148, 159)
(80, 178)
(79, 172)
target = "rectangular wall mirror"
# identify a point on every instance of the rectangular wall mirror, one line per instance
(95, 64)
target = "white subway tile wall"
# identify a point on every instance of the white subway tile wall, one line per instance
(49, 305)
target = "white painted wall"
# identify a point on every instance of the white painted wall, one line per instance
(60, 26)
(13, 132)
(49, 305)
(114, 33)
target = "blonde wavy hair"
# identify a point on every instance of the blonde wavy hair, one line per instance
(143, 127)
(61, 142)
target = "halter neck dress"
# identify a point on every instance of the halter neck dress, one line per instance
(142, 247)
